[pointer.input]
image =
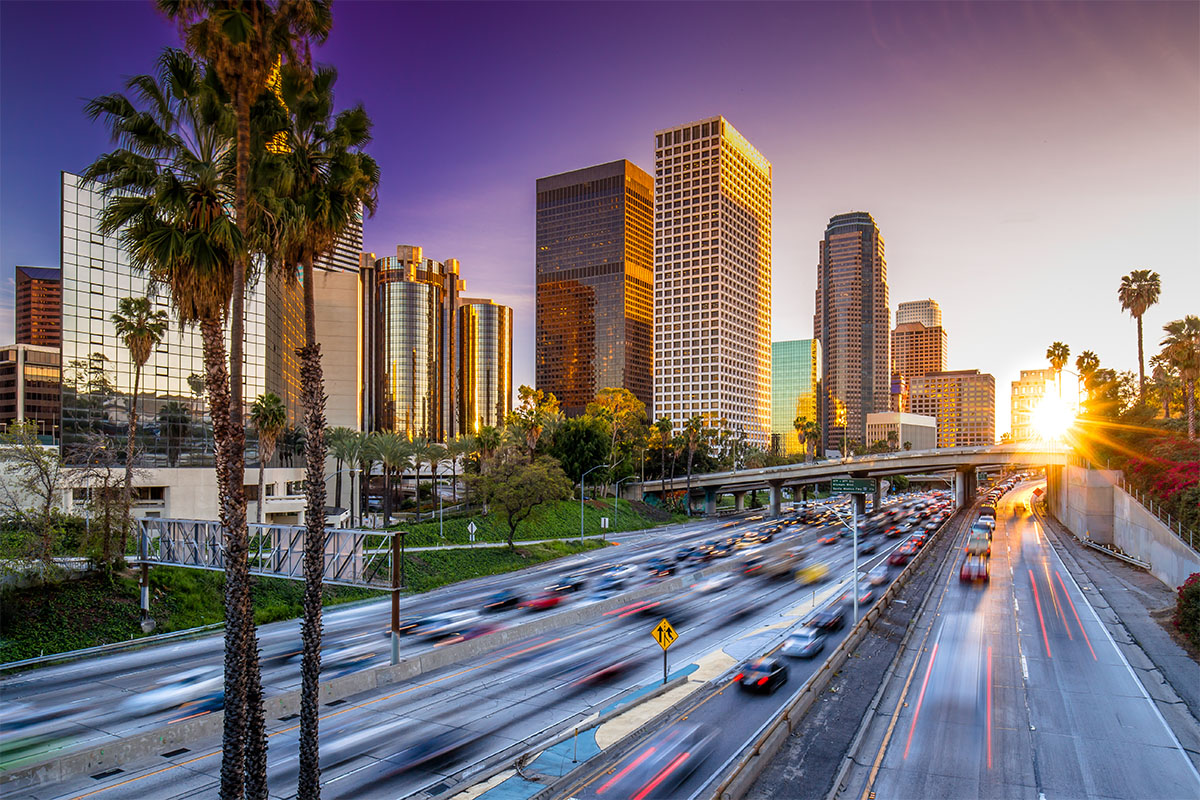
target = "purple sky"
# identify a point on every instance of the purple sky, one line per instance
(1019, 158)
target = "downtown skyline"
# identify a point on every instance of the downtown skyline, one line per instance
(1012, 156)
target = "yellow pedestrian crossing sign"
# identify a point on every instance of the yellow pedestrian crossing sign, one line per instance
(664, 634)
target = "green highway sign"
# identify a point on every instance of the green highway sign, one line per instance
(853, 485)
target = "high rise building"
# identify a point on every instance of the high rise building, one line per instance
(410, 344)
(1027, 394)
(38, 306)
(795, 387)
(851, 322)
(918, 349)
(31, 388)
(485, 340)
(595, 283)
(712, 278)
(906, 431)
(963, 402)
(927, 312)
(346, 250)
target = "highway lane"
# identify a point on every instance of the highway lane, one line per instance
(499, 700)
(1019, 691)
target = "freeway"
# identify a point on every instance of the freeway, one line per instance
(420, 735)
(1018, 691)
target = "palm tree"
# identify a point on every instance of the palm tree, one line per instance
(1086, 364)
(269, 418)
(662, 426)
(1057, 354)
(1164, 381)
(456, 448)
(140, 328)
(169, 189)
(693, 431)
(488, 440)
(1138, 291)
(336, 439)
(1181, 346)
(176, 422)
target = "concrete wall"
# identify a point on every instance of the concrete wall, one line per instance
(1092, 506)
(339, 308)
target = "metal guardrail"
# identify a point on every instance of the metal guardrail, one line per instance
(111, 647)
(1174, 524)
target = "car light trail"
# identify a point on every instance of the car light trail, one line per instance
(1076, 613)
(920, 699)
(1038, 603)
(1058, 607)
(662, 776)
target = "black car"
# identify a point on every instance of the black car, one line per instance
(828, 619)
(763, 675)
(660, 567)
(503, 599)
(568, 583)
(684, 553)
(866, 548)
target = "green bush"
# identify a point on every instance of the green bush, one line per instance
(1187, 609)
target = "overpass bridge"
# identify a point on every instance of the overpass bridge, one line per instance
(962, 462)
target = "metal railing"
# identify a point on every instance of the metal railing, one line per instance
(1154, 506)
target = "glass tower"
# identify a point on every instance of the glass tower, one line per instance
(852, 322)
(595, 284)
(712, 278)
(485, 338)
(795, 388)
(39, 306)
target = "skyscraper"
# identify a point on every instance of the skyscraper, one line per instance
(347, 248)
(963, 402)
(595, 283)
(485, 341)
(918, 350)
(851, 322)
(712, 278)
(1027, 394)
(38, 306)
(927, 312)
(795, 384)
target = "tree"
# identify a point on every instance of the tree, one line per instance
(530, 418)
(1163, 381)
(1181, 346)
(139, 328)
(1138, 291)
(488, 442)
(694, 432)
(1057, 354)
(107, 501)
(32, 483)
(457, 448)
(1086, 363)
(269, 418)
(175, 422)
(169, 190)
(580, 444)
(624, 412)
(343, 446)
(393, 452)
(808, 431)
(515, 487)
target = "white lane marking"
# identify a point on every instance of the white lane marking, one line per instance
(1024, 668)
(1133, 675)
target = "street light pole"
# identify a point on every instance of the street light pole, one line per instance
(582, 478)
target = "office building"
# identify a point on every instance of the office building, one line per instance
(962, 401)
(1027, 394)
(927, 312)
(712, 278)
(346, 250)
(851, 321)
(898, 397)
(918, 349)
(903, 431)
(38, 306)
(795, 388)
(485, 340)
(595, 284)
(31, 388)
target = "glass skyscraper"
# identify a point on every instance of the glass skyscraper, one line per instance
(595, 283)
(712, 278)
(795, 389)
(485, 340)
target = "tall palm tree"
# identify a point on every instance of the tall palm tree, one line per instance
(367, 458)
(1057, 354)
(336, 440)
(488, 440)
(393, 451)
(1181, 346)
(1138, 291)
(1086, 364)
(662, 427)
(456, 448)
(1164, 381)
(140, 328)
(169, 188)
(693, 432)
(269, 418)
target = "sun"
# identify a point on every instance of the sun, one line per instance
(1052, 417)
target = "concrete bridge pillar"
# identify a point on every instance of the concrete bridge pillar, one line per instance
(739, 501)
(876, 498)
(710, 502)
(776, 492)
(965, 487)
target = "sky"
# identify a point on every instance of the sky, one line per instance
(1019, 158)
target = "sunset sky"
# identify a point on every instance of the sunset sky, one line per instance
(1019, 158)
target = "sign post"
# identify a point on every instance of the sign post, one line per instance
(471, 528)
(665, 635)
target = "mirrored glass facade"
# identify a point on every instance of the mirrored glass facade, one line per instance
(795, 387)
(595, 283)
(97, 374)
(485, 337)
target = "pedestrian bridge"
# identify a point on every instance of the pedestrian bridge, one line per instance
(962, 462)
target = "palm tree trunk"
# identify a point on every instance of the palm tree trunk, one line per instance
(1141, 365)
(129, 447)
(233, 743)
(313, 388)
(337, 467)
(262, 483)
(417, 485)
(687, 497)
(1189, 396)
(387, 495)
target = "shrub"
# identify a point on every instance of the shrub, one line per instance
(1187, 609)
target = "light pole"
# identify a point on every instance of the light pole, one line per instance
(581, 480)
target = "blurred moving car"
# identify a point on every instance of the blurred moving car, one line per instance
(660, 567)
(866, 548)
(447, 623)
(974, 568)
(502, 600)
(828, 619)
(543, 601)
(661, 763)
(813, 573)
(190, 685)
(878, 575)
(762, 675)
(805, 643)
(899, 557)
(978, 544)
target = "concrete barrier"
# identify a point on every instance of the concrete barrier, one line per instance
(118, 751)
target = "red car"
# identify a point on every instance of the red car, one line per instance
(917, 541)
(543, 601)
(828, 539)
(974, 568)
(898, 558)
